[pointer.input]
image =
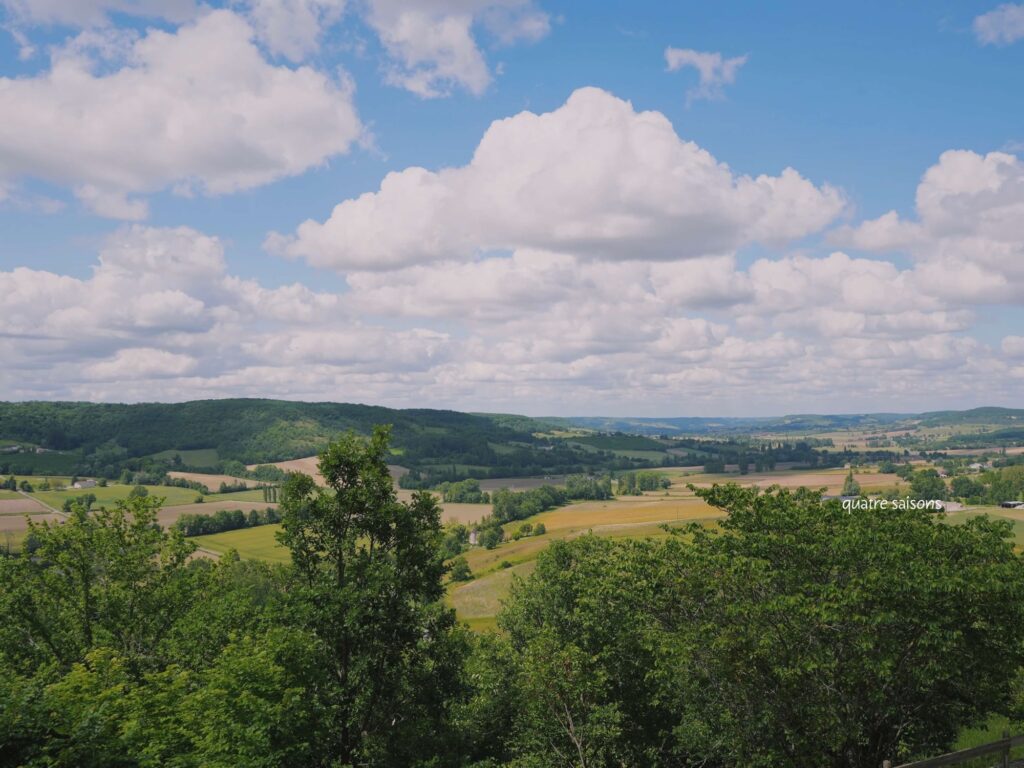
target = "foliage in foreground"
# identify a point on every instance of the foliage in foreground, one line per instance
(116, 650)
(796, 635)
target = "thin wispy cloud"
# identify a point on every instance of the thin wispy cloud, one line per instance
(715, 71)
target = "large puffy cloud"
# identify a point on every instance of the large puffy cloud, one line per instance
(199, 108)
(594, 177)
(968, 237)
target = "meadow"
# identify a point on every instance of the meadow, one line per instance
(252, 543)
(114, 492)
(197, 457)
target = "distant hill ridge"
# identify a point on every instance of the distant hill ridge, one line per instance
(252, 430)
(696, 425)
(243, 429)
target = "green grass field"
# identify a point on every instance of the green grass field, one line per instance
(114, 492)
(1016, 517)
(257, 543)
(256, 494)
(647, 454)
(477, 602)
(199, 457)
(622, 443)
(4, 494)
(36, 479)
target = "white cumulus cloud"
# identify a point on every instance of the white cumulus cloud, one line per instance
(197, 108)
(594, 178)
(968, 236)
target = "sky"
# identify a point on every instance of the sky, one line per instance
(530, 206)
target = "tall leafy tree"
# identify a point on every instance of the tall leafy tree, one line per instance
(371, 570)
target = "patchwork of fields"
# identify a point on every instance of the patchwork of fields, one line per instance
(47, 505)
(477, 602)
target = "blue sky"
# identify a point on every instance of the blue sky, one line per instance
(119, 174)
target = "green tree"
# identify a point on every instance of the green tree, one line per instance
(456, 540)
(797, 634)
(926, 484)
(490, 534)
(460, 570)
(964, 487)
(850, 486)
(825, 628)
(83, 617)
(371, 574)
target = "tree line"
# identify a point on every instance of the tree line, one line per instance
(225, 520)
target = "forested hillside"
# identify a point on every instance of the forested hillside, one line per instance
(103, 439)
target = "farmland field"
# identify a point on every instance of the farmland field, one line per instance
(10, 541)
(114, 492)
(307, 466)
(168, 515)
(254, 543)
(35, 480)
(1015, 516)
(463, 513)
(830, 479)
(212, 482)
(19, 505)
(18, 523)
(5, 494)
(520, 483)
(199, 457)
(477, 602)
(256, 494)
